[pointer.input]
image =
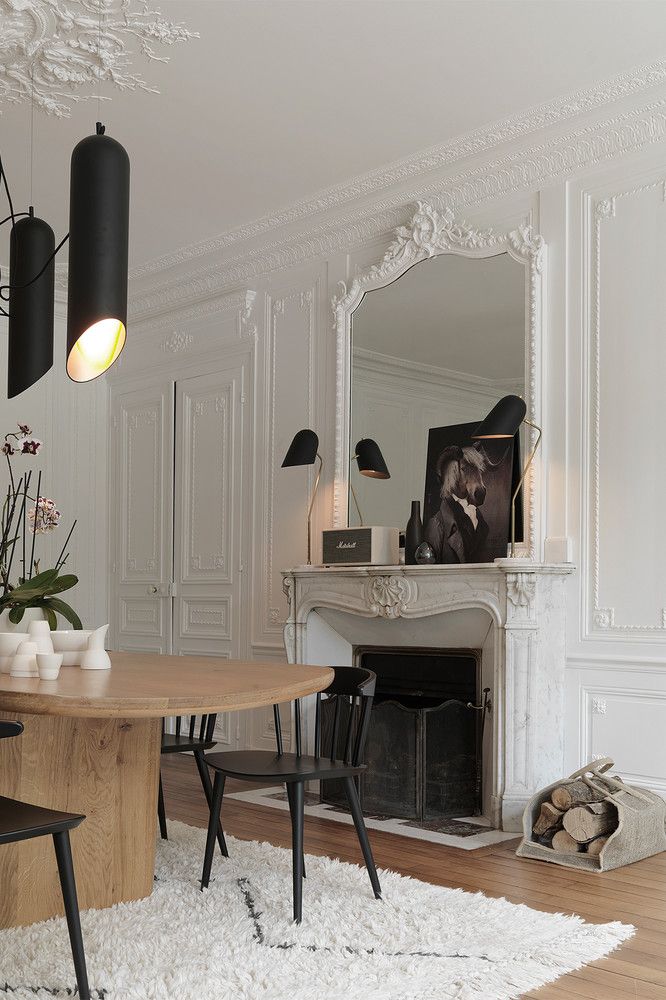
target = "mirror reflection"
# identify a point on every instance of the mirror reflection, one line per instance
(435, 348)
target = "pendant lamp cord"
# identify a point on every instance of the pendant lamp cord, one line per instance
(32, 125)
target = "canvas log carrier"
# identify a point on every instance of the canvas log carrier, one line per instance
(594, 821)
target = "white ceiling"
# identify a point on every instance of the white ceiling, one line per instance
(460, 314)
(280, 99)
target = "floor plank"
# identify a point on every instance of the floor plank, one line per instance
(635, 894)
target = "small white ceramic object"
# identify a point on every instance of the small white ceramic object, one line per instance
(40, 633)
(10, 641)
(24, 663)
(95, 656)
(72, 643)
(48, 665)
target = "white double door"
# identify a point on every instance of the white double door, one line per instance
(180, 466)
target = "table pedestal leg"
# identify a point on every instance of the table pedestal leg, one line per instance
(107, 769)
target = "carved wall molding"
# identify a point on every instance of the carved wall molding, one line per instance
(431, 232)
(57, 50)
(207, 270)
(549, 115)
(601, 620)
(176, 342)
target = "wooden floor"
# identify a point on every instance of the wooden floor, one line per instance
(635, 894)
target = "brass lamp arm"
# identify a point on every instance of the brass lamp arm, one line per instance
(312, 500)
(521, 481)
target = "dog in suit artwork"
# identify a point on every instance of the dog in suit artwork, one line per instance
(467, 497)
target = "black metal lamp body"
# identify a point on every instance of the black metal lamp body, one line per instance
(304, 450)
(503, 422)
(30, 303)
(98, 256)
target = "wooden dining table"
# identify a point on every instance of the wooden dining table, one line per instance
(91, 744)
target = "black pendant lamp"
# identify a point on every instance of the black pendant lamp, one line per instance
(98, 248)
(32, 277)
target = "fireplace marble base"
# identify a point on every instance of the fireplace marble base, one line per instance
(513, 610)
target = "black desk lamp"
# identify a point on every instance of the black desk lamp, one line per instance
(303, 450)
(503, 422)
(370, 463)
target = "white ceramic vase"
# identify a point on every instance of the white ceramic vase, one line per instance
(29, 615)
(95, 656)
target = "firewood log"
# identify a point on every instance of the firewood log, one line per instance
(574, 794)
(585, 824)
(564, 843)
(548, 819)
(595, 847)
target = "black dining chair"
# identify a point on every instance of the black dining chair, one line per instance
(352, 690)
(196, 737)
(20, 821)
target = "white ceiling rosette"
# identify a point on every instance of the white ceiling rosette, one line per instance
(64, 50)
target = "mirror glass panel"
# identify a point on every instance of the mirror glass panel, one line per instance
(439, 346)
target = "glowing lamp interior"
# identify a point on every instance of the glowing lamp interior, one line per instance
(96, 350)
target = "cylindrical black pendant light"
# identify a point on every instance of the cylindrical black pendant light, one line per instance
(98, 245)
(30, 356)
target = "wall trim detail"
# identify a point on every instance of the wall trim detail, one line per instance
(601, 620)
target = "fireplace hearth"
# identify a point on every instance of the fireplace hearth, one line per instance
(425, 740)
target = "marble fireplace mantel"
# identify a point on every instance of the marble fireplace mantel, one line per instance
(523, 655)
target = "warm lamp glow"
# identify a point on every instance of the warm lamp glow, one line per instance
(96, 350)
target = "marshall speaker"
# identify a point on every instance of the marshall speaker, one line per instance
(364, 546)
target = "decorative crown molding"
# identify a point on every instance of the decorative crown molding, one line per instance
(517, 127)
(51, 48)
(206, 272)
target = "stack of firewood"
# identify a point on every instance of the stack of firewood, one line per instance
(575, 819)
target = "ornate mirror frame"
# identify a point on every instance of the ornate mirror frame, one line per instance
(432, 232)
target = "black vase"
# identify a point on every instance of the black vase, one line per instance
(413, 533)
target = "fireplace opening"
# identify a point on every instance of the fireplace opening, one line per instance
(424, 747)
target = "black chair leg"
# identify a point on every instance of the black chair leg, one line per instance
(213, 823)
(290, 791)
(161, 812)
(359, 823)
(208, 792)
(297, 817)
(63, 853)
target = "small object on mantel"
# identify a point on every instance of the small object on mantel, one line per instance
(425, 555)
(362, 546)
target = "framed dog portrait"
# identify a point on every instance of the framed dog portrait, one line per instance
(468, 487)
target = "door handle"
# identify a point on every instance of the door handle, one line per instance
(153, 589)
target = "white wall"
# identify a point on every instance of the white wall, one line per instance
(71, 420)
(594, 190)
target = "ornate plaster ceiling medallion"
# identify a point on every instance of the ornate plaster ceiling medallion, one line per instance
(62, 47)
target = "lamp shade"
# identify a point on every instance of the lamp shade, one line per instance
(370, 460)
(98, 248)
(302, 450)
(30, 303)
(503, 420)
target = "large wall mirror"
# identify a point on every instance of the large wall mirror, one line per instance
(444, 326)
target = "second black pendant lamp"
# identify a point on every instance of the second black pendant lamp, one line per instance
(98, 255)
(32, 276)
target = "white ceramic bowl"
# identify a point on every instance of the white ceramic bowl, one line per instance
(71, 643)
(10, 641)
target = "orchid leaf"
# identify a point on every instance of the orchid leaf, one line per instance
(15, 615)
(63, 609)
(64, 582)
(50, 617)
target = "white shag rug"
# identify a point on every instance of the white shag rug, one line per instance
(236, 941)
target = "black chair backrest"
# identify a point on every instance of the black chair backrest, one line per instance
(198, 727)
(8, 729)
(352, 690)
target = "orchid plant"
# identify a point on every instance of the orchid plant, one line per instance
(19, 526)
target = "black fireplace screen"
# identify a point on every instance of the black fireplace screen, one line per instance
(423, 749)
